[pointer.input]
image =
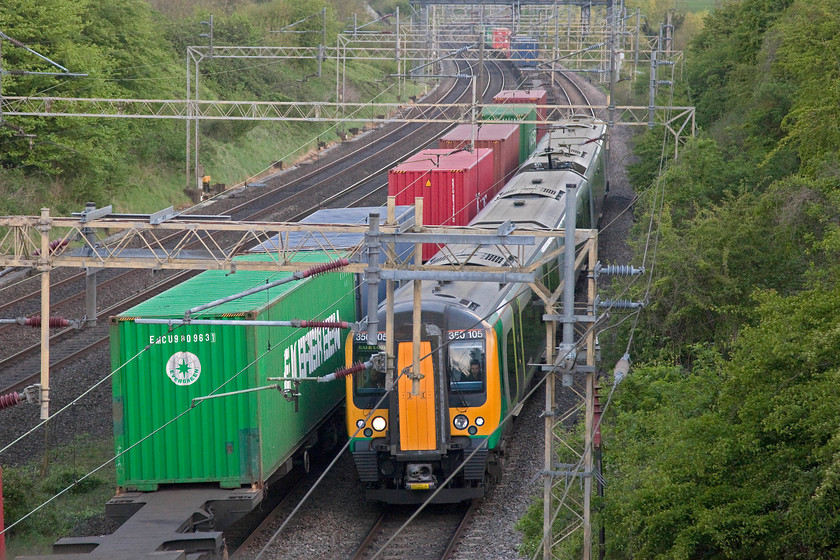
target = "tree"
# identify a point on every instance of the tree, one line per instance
(809, 56)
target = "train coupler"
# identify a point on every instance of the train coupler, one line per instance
(419, 477)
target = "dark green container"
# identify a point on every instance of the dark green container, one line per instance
(517, 112)
(233, 440)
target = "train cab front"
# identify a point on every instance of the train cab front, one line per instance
(411, 440)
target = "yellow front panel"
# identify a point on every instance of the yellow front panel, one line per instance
(491, 410)
(417, 412)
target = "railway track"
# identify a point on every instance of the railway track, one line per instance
(573, 93)
(69, 344)
(365, 191)
(432, 535)
(281, 200)
(351, 171)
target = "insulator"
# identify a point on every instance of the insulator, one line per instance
(52, 246)
(55, 322)
(596, 400)
(622, 368)
(325, 324)
(620, 304)
(355, 368)
(10, 400)
(325, 267)
(620, 270)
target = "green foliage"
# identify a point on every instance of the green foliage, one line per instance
(807, 57)
(389, 6)
(738, 458)
(708, 265)
(724, 54)
(28, 487)
(531, 527)
(61, 479)
(723, 441)
(653, 153)
(130, 51)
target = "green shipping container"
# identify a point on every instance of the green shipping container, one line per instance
(233, 440)
(517, 112)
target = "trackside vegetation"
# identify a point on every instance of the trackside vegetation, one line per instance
(131, 49)
(723, 441)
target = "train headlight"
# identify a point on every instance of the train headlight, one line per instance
(479, 421)
(378, 423)
(368, 432)
(460, 422)
(472, 431)
(360, 423)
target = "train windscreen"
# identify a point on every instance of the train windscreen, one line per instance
(467, 366)
(369, 385)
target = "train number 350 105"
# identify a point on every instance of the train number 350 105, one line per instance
(465, 335)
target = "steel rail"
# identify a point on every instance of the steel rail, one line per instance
(62, 334)
(65, 333)
(439, 543)
(387, 146)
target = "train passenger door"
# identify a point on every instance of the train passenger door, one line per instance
(418, 430)
(514, 353)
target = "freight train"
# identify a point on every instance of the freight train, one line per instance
(522, 50)
(204, 467)
(478, 342)
(187, 470)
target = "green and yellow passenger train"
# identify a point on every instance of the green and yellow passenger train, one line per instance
(479, 342)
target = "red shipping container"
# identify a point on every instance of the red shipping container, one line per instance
(530, 96)
(448, 182)
(501, 39)
(503, 139)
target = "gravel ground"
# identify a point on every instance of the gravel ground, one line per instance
(92, 415)
(330, 524)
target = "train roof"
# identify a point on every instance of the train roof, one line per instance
(571, 144)
(533, 199)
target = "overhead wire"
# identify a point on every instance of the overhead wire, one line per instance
(379, 403)
(467, 458)
(656, 211)
(373, 410)
(1, 450)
